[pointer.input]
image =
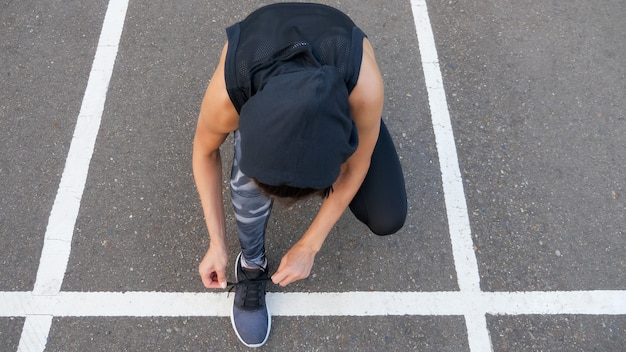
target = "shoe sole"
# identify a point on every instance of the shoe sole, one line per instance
(232, 319)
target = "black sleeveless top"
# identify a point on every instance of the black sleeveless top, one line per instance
(283, 37)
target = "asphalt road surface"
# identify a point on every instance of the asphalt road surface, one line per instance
(509, 118)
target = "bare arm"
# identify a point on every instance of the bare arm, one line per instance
(217, 118)
(366, 104)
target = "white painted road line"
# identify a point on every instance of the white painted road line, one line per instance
(205, 304)
(60, 230)
(456, 205)
(465, 262)
(35, 333)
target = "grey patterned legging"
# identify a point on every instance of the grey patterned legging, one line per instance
(380, 203)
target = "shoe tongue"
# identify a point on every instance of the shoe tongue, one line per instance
(253, 273)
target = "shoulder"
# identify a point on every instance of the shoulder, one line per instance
(217, 111)
(368, 95)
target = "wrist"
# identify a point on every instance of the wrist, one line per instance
(311, 243)
(215, 245)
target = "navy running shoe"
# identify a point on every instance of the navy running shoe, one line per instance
(250, 317)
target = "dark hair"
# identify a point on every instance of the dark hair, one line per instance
(292, 194)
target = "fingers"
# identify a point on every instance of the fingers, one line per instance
(281, 275)
(206, 281)
(292, 268)
(221, 278)
(280, 278)
(214, 280)
(212, 269)
(284, 278)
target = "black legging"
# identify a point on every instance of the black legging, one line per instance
(381, 202)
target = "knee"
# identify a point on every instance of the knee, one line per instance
(388, 225)
(386, 230)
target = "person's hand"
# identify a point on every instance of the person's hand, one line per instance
(212, 268)
(295, 265)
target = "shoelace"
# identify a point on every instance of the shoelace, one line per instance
(252, 290)
(232, 285)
